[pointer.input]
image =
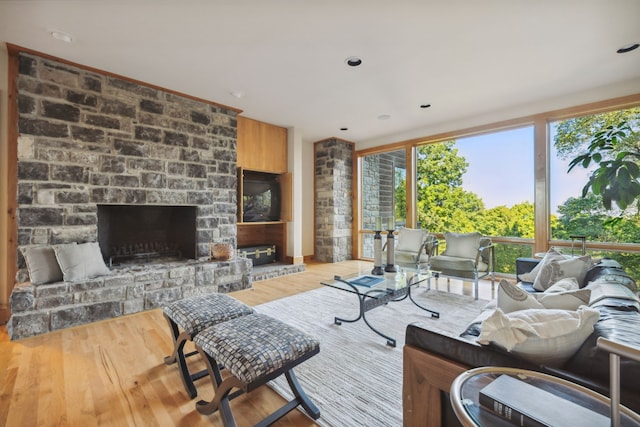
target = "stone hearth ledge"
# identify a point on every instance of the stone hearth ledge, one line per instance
(38, 309)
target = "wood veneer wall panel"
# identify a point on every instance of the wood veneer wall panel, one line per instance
(262, 146)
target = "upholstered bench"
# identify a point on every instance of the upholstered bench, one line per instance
(188, 317)
(254, 349)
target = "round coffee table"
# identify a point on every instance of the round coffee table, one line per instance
(465, 392)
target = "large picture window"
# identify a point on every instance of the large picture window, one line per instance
(480, 183)
(574, 215)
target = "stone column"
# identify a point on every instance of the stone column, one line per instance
(334, 210)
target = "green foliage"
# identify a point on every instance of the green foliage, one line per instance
(615, 149)
(573, 135)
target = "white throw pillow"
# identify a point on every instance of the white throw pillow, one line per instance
(551, 254)
(568, 300)
(462, 245)
(563, 285)
(512, 298)
(543, 337)
(42, 265)
(80, 262)
(554, 270)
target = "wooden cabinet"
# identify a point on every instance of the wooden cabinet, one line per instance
(262, 146)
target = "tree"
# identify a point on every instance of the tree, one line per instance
(442, 202)
(616, 152)
(573, 135)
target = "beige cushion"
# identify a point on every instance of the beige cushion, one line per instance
(42, 265)
(567, 300)
(563, 285)
(544, 337)
(80, 261)
(555, 270)
(511, 298)
(463, 245)
(550, 255)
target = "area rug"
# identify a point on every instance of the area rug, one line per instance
(356, 379)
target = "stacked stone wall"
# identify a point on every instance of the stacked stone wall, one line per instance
(87, 139)
(37, 309)
(334, 191)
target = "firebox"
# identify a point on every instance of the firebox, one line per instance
(131, 232)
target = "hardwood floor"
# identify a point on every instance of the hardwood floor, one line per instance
(111, 373)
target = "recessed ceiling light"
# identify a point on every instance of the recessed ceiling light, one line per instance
(628, 48)
(237, 93)
(425, 105)
(384, 117)
(353, 61)
(344, 129)
(59, 35)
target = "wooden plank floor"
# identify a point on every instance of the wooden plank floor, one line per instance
(111, 373)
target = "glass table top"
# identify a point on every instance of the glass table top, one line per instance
(364, 282)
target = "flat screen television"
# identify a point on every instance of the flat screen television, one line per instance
(260, 197)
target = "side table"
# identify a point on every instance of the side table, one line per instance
(466, 388)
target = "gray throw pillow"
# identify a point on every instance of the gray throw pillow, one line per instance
(80, 262)
(42, 265)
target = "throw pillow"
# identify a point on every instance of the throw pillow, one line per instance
(555, 270)
(543, 337)
(563, 285)
(548, 257)
(568, 300)
(462, 245)
(80, 262)
(512, 298)
(42, 265)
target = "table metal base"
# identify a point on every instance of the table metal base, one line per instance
(370, 300)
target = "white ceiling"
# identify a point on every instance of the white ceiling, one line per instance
(467, 58)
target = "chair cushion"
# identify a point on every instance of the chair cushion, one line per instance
(197, 313)
(252, 347)
(445, 263)
(462, 245)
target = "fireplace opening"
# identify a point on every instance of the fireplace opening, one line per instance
(142, 232)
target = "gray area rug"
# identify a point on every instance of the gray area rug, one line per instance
(356, 379)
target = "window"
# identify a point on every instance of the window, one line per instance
(383, 193)
(480, 183)
(571, 214)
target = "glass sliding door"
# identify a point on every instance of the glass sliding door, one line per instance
(383, 198)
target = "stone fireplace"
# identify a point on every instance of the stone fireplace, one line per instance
(95, 150)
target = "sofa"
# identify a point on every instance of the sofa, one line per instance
(432, 360)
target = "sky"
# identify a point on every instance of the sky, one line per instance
(501, 169)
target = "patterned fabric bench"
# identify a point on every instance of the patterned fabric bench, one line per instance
(188, 317)
(254, 349)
